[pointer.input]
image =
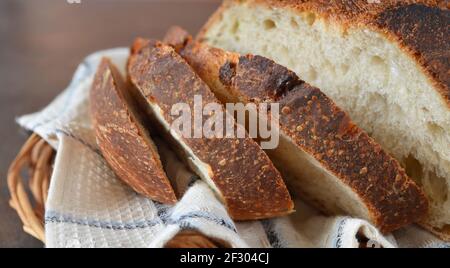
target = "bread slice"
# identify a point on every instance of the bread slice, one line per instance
(237, 169)
(384, 62)
(324, 156)
(122, 138)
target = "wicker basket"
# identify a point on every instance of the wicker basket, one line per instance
(36, 158)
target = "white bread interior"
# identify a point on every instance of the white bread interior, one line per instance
(382, 88)
(203, 170)
(305, 176)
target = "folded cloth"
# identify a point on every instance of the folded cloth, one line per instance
(88, 206)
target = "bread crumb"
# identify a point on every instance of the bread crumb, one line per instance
(286, 110)
(265, 167)
(363, 171)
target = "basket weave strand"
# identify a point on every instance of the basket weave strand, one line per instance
(36, 157)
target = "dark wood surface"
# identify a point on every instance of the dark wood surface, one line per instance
(42, 42)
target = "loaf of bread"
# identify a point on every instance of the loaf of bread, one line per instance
(237, 169)
(124, 141)
(384, 62)
(324, 157)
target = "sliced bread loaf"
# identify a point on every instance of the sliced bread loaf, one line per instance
(237, 169)
(385, 62)
(323, 155)
(123, 140)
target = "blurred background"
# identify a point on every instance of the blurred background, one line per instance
(42, 42)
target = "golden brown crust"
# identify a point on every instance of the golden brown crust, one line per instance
(420, 27)
(119, 137)
(427, 39)
(249, 184)
(318, 127)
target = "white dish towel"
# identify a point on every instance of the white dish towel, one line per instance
(88, 206)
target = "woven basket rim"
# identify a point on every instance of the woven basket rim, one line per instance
(36, 157)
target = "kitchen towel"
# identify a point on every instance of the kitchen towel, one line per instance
(89, 207)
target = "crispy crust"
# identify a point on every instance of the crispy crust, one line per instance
(421, 28)
(249, 184)
(318, 127)
(119, 137)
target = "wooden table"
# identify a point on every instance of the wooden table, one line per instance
(42, 42)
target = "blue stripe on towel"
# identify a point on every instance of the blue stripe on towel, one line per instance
(337, 240)
(183, 221)
(163, 211)
(205, 216)
(272, 235)
(438, 245)
(54, 217)
(165, 214)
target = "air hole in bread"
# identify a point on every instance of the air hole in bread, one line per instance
(330, 67)
(222, 29)
(294, 23)
(345, 68)
(356, 52)
(269, 24)
(413, 169)
(235, 27)
(435, 129)
(379, 100)
(312, 74)
(382, 70)
(377, 60)
(310, 18)
(397, 109)
(436, 187)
